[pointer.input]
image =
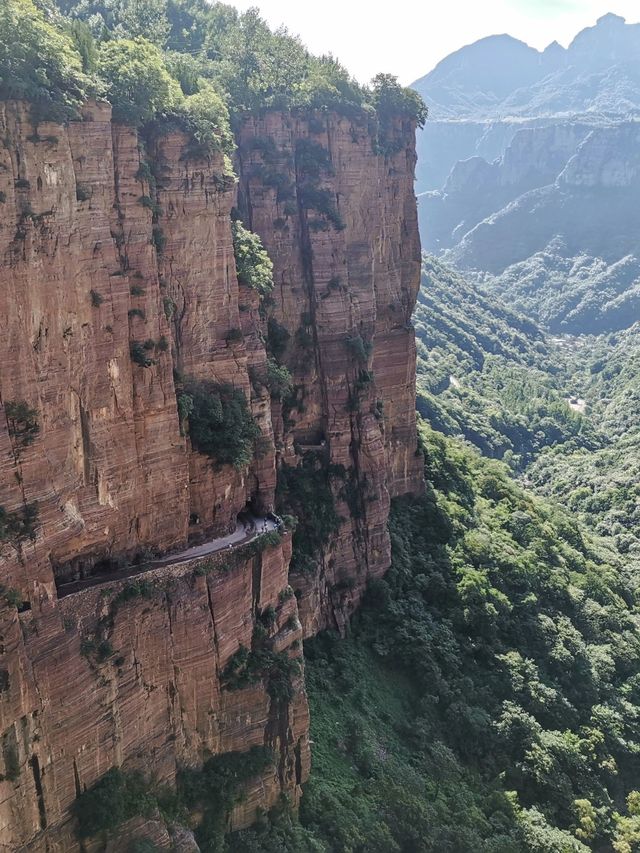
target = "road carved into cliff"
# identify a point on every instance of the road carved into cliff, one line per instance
(244, 533)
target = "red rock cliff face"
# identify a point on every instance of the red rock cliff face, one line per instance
(99, 264)
(339, 221)
(156, 701)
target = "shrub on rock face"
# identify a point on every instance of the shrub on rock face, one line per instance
(277, 339)
(18, 525)
(234, 336)
(360, 348)
(115, 798)
(208, 119)
(220, 423)
(22, 421)
(392, 100)
(214, 790)
(279, 380)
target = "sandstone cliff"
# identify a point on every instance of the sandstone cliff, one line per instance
(340, 224)
(118, 277)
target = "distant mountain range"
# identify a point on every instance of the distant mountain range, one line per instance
(529, 171)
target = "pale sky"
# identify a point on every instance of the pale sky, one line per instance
(407, 38)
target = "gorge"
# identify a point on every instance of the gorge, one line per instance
(251, 600)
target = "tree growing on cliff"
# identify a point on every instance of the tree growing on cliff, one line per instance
(207, 119)
(139, 85)
(391, 99)
(220, 423)
(22, 421)
(392, 102)
(39, 63)
(253, 264)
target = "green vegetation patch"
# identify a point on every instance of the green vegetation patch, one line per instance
(117, 797)
(487, 697)
(219, 422)
(217, 787)
(181, 64)
(248, 667)
(490, 374)
(39, 63)
(305, 492)
(22, 420)
(253, 265)
(19, 524)
(211, 791)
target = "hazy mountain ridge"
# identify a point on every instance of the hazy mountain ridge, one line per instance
(472, 83)
(543, 190)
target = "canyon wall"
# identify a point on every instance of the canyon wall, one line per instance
(118, 281)
(339, 222)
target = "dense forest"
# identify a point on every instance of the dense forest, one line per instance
(198, 65)
(484, 700)
(562, 412)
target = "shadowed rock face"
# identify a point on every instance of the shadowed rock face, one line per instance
(90, 271)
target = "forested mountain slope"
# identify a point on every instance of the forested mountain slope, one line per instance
(490, 374)
(602, 487)
(487, 698)
(563, 412)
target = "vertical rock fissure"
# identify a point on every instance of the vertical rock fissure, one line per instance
(37, 781)
(213, 624)
(172, 692)
(256, 582)
(76, 779)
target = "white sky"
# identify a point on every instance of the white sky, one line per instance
(408, 38)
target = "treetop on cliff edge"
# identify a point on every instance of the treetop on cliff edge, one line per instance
(138, 83)
(39, 61)
(179, 59)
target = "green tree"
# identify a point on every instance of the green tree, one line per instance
(142, 18)
(139, 85)
(260, 68)
(627, 827)
(39, 63)
(220, 423)
(208, 119)
(22, 421)
(253, 264)
(84, 43)
(391, 99)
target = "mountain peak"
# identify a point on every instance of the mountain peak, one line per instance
(611, 36)
(610, 19)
